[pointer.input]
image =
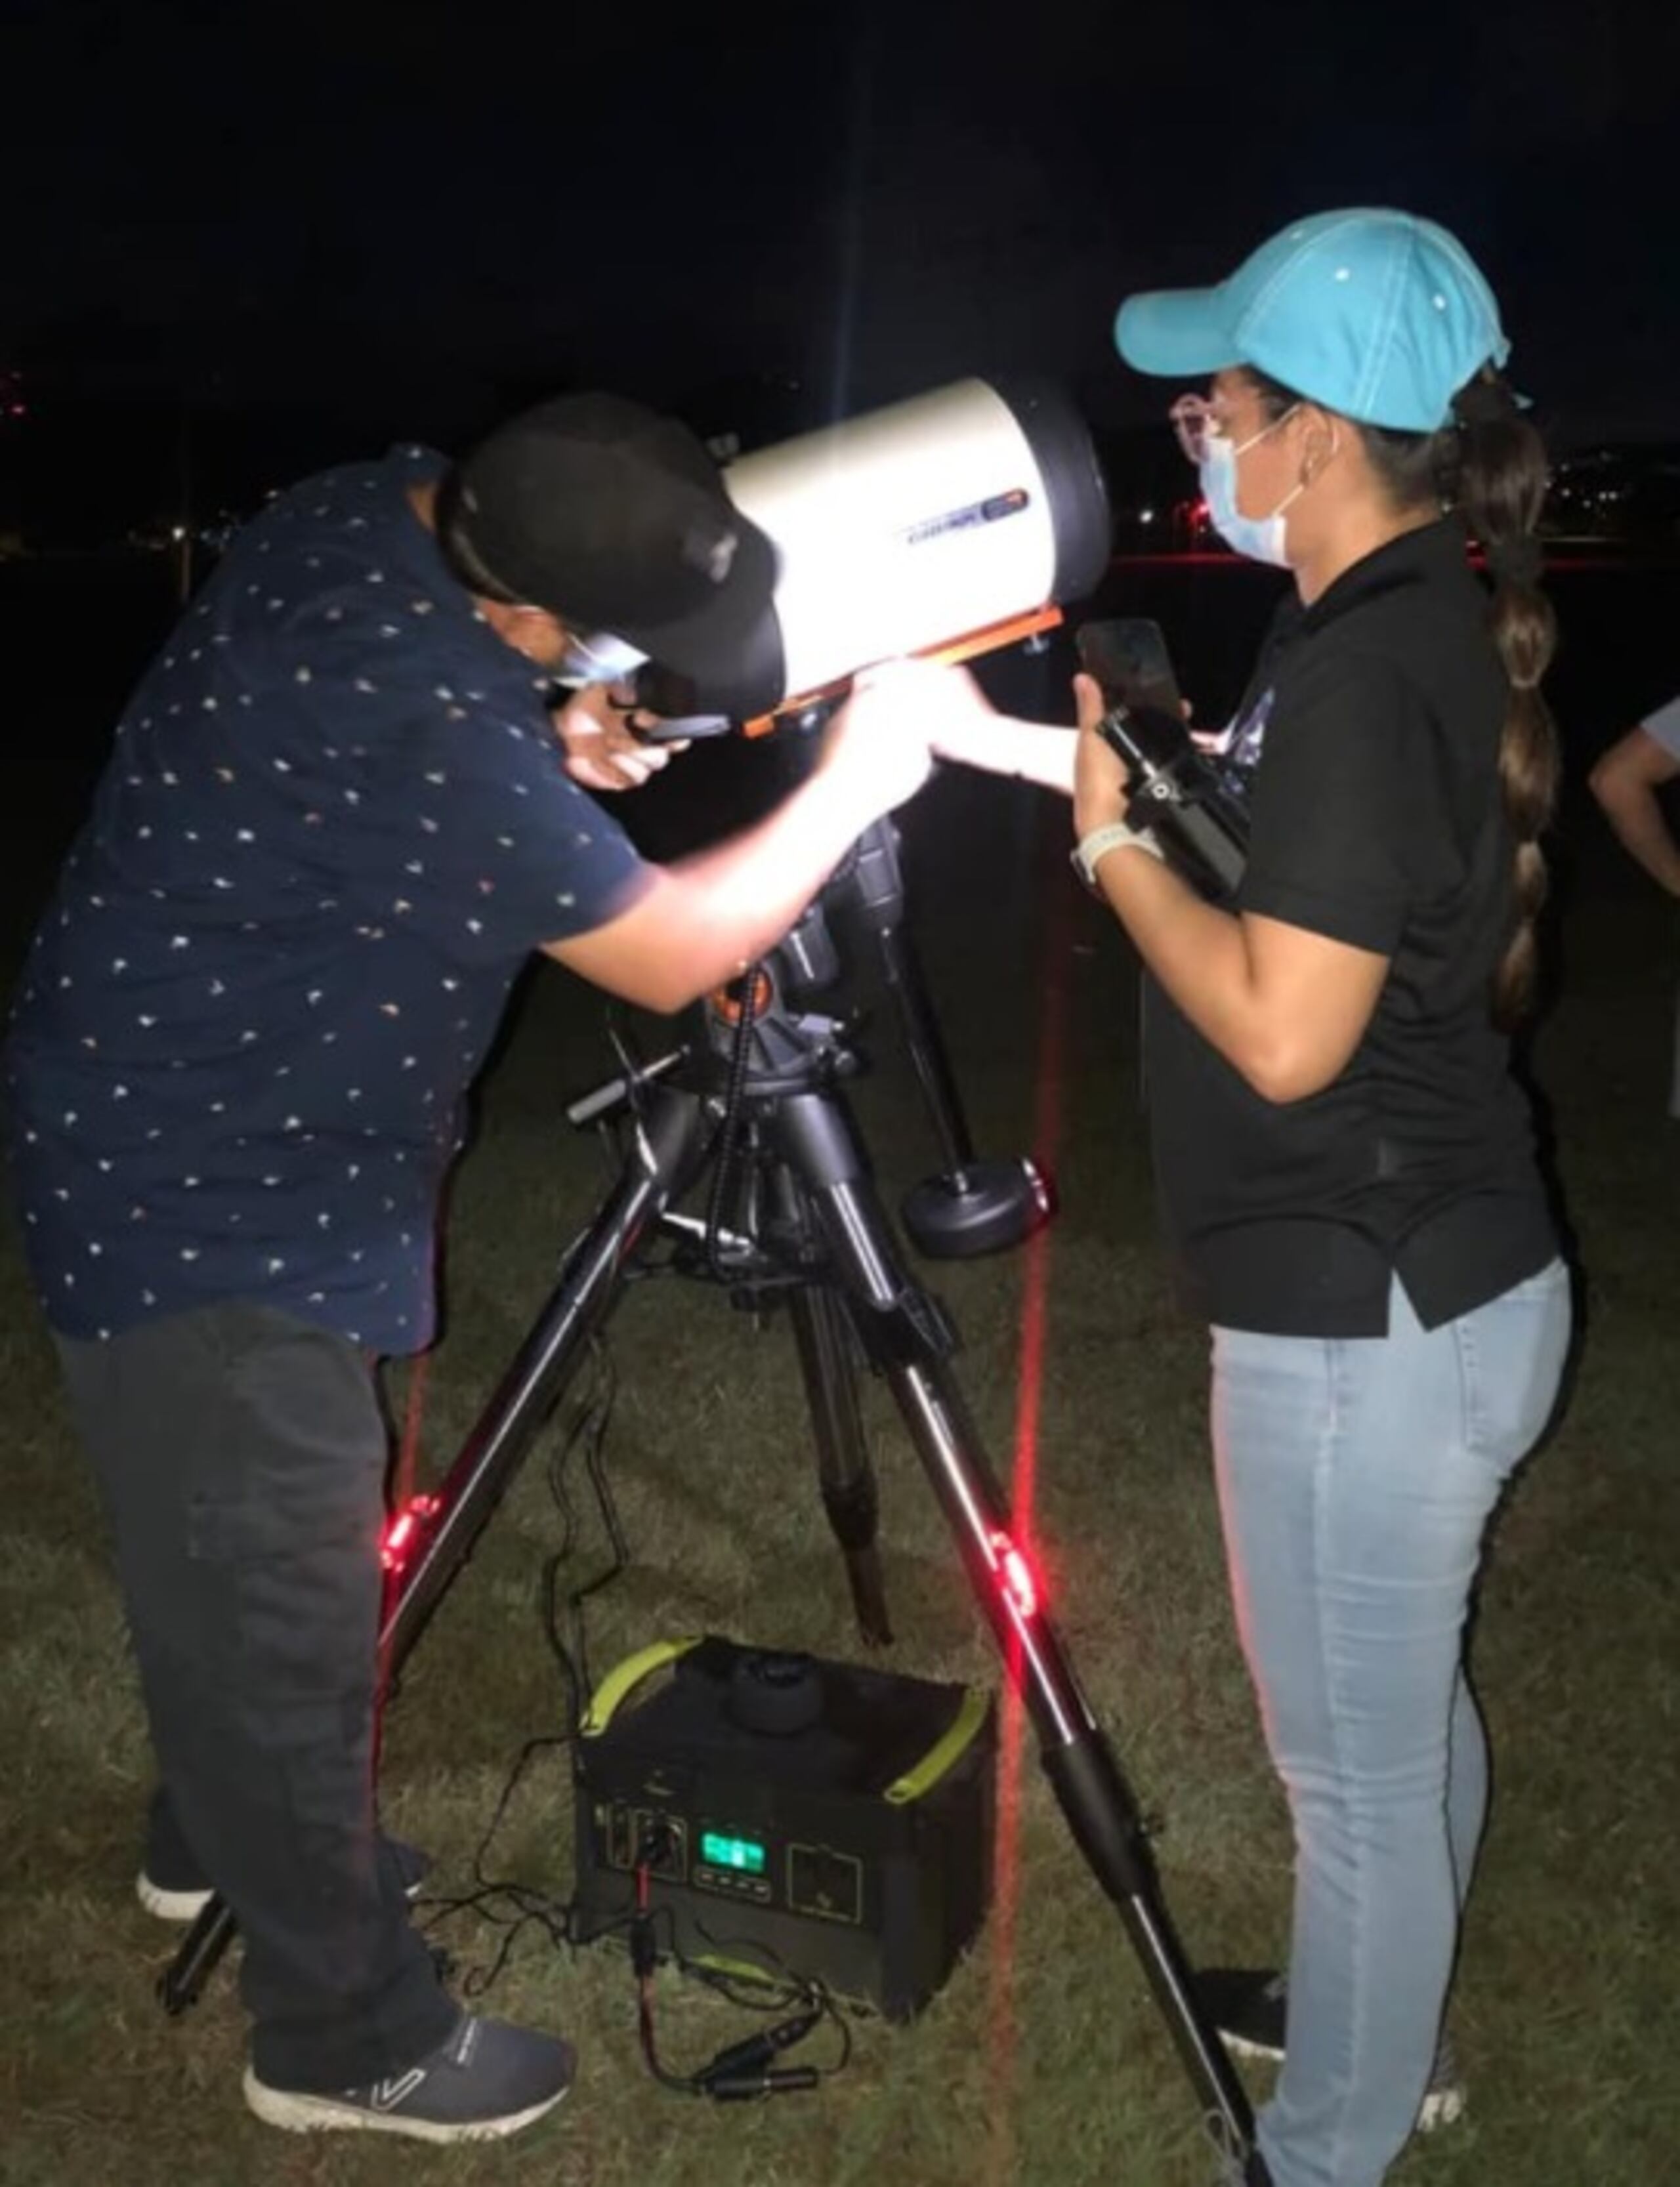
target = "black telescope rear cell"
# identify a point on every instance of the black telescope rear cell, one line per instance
(1072, 480)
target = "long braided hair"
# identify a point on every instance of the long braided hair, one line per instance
(1490, 465)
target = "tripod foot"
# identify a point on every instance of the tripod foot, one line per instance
(182, 1980)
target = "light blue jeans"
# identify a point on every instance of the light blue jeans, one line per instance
(1355, 1479)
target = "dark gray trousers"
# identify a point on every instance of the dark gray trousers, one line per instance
(241, 1454)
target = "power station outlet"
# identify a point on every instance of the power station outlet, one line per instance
(625, 1831)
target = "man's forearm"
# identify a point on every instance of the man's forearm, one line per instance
(746, 893)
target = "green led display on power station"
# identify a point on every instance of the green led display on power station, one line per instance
(743, 1853)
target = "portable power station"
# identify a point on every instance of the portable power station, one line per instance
(807, 1816)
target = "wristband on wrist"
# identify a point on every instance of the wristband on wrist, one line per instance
(1118, 835)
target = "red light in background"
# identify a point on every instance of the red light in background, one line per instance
(999, 2165)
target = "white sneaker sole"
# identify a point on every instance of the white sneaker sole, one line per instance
(183, 1906)
(299, 2113)
(1240, 2047)
(1441, 2106)
(169, 1905)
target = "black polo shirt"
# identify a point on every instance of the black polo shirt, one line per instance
(1367, 745)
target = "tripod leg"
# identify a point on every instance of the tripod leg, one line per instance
(844, 1474)
(827, 1357)
(664, 1144)
(904, 1333)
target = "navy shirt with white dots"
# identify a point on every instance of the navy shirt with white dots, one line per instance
(335, 824)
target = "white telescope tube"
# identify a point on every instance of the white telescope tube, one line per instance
(910, 527)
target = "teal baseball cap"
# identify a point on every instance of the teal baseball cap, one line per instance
(1377, 314)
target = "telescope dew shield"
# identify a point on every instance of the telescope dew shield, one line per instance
(903, 531)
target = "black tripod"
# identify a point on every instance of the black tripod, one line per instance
(792, 1216)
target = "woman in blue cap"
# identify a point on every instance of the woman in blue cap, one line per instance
(1347, 1168)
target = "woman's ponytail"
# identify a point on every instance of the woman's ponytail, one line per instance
(1500, 480)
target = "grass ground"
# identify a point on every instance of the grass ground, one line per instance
(1042, 2060)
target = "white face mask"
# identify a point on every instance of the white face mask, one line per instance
(1261, 538)
(597, 659)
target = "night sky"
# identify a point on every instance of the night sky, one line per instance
(410, 209)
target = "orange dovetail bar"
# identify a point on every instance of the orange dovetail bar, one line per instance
(968, 647)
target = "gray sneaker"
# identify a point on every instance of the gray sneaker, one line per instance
(487, 2080)
(1250, 2007)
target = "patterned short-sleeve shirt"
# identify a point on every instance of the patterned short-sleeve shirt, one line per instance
(335, 824)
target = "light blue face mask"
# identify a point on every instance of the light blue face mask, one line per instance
(1261, 538)
(597, 659)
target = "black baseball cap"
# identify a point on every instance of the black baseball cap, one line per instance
(616, 520)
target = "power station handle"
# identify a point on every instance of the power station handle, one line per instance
(624, 1677)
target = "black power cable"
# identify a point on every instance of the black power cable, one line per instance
(745, 2071)
(511, 1906)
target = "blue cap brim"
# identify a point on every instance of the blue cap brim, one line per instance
(1175, 334)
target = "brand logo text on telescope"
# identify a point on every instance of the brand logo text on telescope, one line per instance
(989, 511)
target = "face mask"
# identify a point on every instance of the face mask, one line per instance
(597, 659)
(1261, 538)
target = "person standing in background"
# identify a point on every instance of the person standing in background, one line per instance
(1627, 781)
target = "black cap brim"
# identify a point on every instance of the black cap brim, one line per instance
(730, 650)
